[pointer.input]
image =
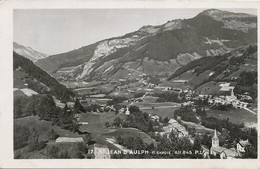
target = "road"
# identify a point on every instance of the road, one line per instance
(159, 107)
(251, 111)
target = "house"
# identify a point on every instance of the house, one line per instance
(101, 152)
(174, 126)
(241, 146)
(155, 118)
(172, 121)
(205, 152)
(127, 112)
(121, 111)
(193, 109)
(83, 129)
(246, 98)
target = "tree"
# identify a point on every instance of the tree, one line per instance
(134, 109)
(64, 155)
(52, 152)
(250, 152)
(117, 121)
(197, 143)
(165, 120)
(52, 134)
(107, 124)
(33, 139)
(150, 127)
(87, 138)
(206, 140)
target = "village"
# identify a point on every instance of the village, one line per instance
(146, 101)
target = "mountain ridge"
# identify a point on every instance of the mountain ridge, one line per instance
(28, 52)
(176, 42)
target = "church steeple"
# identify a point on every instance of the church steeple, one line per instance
(215, 140)
(232, 92)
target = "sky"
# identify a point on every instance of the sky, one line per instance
(53, 31)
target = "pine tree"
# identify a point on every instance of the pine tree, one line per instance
(78, 107)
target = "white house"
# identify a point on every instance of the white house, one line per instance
(241, 145)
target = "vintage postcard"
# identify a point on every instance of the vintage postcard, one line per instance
(139, 82)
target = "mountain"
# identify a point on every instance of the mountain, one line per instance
(205, 73)
(28, 52)
(157, 50)
(30, 78)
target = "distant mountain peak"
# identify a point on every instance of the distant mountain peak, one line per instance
(219, 14)
(28, 52)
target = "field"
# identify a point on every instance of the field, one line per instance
(165, 109)
(150, 99)
(96, 121)
(96, 126)
(95, 100)
(175, 84)
(197, 80)
(209, 88)
(185, 76)
(199, 128)
(121, 94)
(128, 132)
(156, 105)
(236, 116)
(163, 112)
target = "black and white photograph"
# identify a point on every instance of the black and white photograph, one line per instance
(176, 83)
(135, 84)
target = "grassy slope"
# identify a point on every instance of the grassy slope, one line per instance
(237, 116)
(18, 76)
(128, 132)
(42, 127)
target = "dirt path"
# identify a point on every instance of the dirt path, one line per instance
(251, 111)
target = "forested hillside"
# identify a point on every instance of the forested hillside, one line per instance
(55, 88)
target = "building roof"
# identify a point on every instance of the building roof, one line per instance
(224, 84)
(230, 152)
(171, 121)
(69, 139)
(83, 128)
(244, 143)
(226, 88)
(218, 149)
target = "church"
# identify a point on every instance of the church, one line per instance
(223, 152)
